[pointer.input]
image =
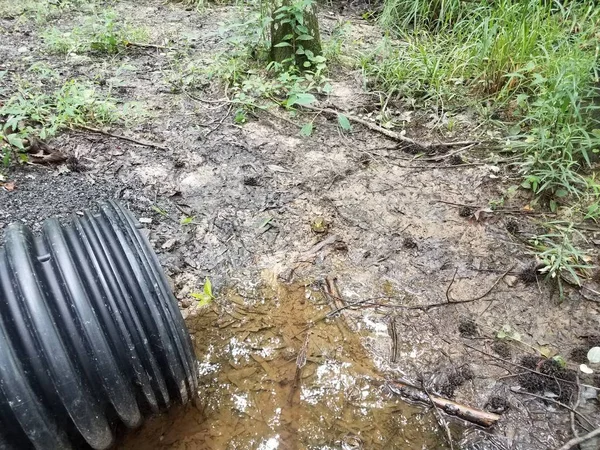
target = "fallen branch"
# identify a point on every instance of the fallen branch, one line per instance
(576, 441)
(472, 415)
(123, 138)
(389, 133)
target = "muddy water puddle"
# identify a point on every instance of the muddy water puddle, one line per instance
(276, 375)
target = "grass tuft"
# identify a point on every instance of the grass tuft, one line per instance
(106, 34)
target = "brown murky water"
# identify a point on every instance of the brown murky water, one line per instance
(253, 395)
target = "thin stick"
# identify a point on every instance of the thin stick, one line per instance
(216, 127)
(432, 167)
(451, 300)
(576, 441)
(123, 138)
(466, 147)
(556, 402)
(223, 102)
(160, 47)
(389, 133)
(575, 406)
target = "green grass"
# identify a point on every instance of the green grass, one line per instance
(535, 63)
(106, 33)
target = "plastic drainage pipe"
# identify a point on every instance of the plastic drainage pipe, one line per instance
(91, 337)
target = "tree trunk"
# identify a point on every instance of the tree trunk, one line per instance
(279, 31)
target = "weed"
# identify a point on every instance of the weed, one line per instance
(243, 65)
(534, 65)
(205, 297)
(31, 113)
(560, 258)
(533, 60)
(101, 34)
(41, 11)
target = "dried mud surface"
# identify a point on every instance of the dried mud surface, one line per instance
(253, 192)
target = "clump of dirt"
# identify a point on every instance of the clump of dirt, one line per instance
(251, 181)
(579, 355)
(512, 226)
(551, 378)
(502, 349)
(468, 328)
(465, 211)
(456, 379)
(409, 243)
(412, 149)
(592, 341)
(530, 273)
(456, 160)
(497, 404)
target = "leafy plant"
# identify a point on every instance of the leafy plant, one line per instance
(291, 16)
(32, 113)
(205, 297)
(562, 260)
(252, 81)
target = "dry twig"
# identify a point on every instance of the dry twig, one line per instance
(451, 300)
(576, 441)
(123, 138)
(388, 133)
(556, 402)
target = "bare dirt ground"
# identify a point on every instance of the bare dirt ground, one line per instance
(394, 232)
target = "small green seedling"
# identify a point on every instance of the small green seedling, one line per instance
(205, 297)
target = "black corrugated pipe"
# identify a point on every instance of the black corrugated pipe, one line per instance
(91, 337)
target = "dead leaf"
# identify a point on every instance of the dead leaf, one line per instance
(10, 186)
(480, 211)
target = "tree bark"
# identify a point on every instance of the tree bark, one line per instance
(278, 31)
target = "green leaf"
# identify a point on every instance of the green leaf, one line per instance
(305, 37)
(203, 299)
(208, 287)
(162, 212)
(561, 361)
(553, 205)
(344, 122)
(301, 99)
(287, 37)
(562, 193)
(306, 64)
(187, 220)
(306, 129)
(15, 141)
(282, 44)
